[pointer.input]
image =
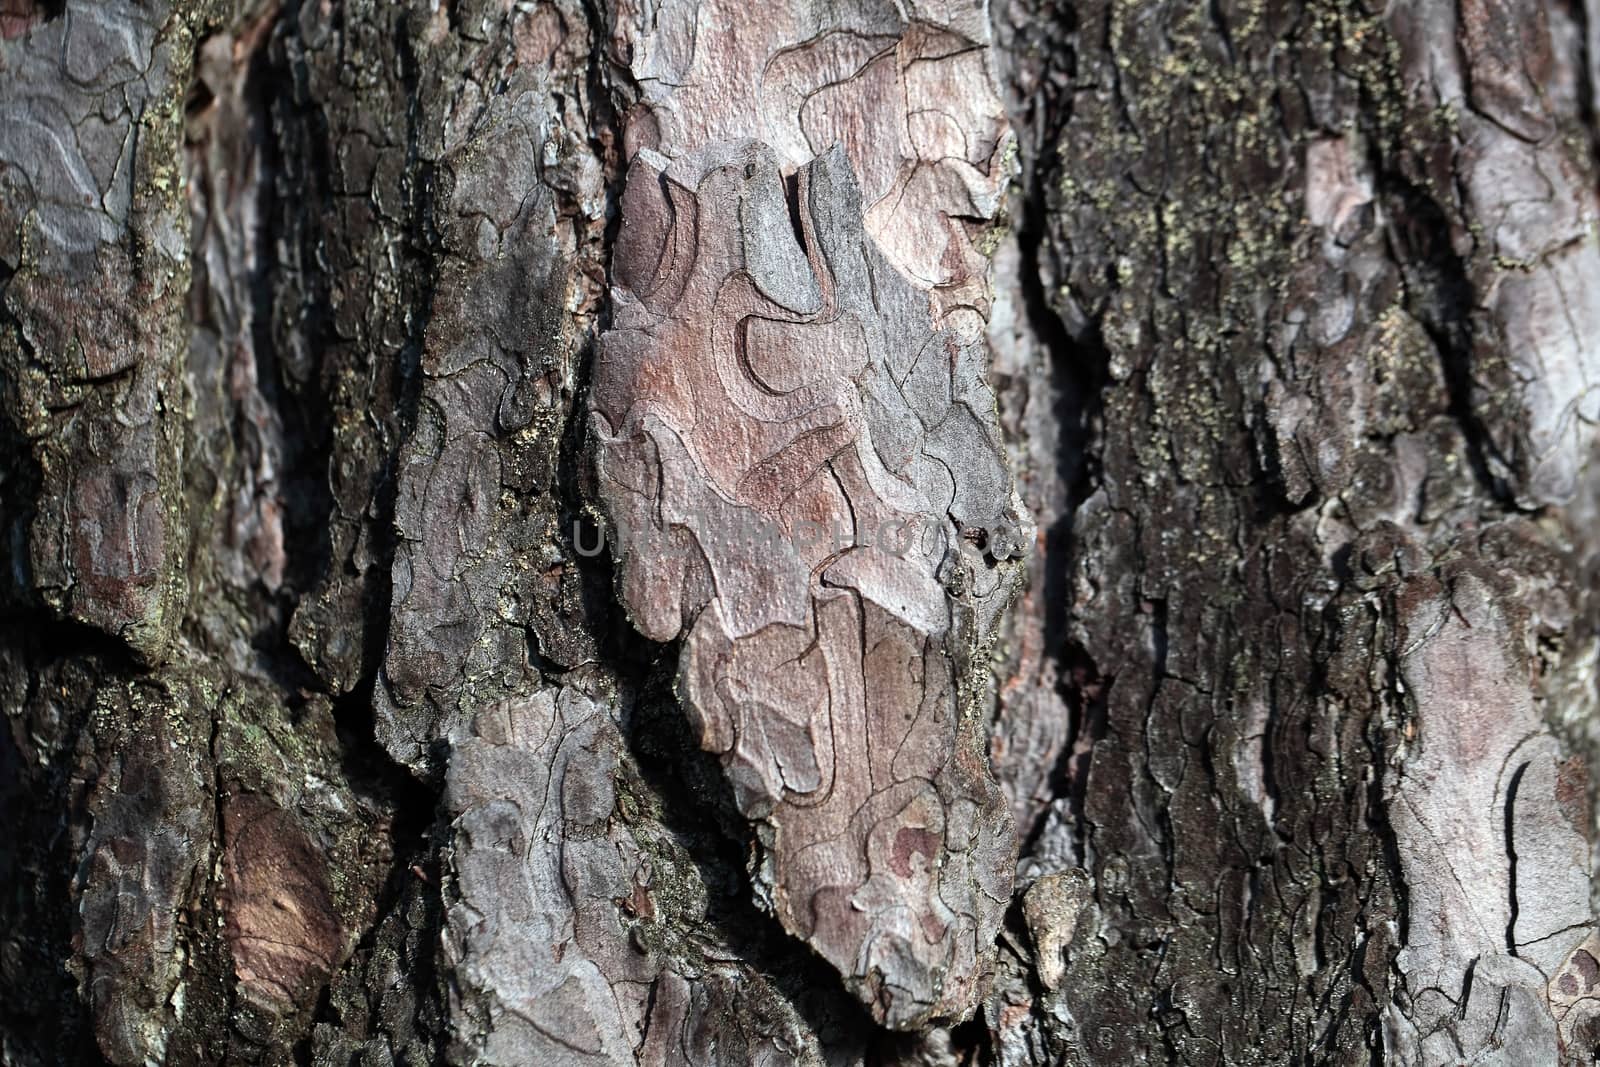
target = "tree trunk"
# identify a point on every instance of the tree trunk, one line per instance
(701, 532)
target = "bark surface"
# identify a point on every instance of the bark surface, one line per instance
(450, 451)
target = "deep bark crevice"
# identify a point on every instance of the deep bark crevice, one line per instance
(1439, 294)
(697, 807)
(296, 339)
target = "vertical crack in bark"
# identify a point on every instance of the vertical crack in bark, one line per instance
(1511, 856)
(1440, 295)
(698, 808)
(1583, 71)
(1050, 374)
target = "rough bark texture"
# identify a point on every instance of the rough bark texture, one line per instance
(799, 473)
(449, 454)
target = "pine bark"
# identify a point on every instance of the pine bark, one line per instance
(410, 648)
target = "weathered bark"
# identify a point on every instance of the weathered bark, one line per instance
(1233, 369)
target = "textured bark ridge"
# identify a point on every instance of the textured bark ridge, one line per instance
(907, 89)
(559, 919)
(798, 450)
(807, 486)
(1309, 279)
(480, 585)
(1529, 254)
(89, 181)
(1491, 837)
(146, 846)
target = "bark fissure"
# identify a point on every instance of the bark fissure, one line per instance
(1440, 295)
